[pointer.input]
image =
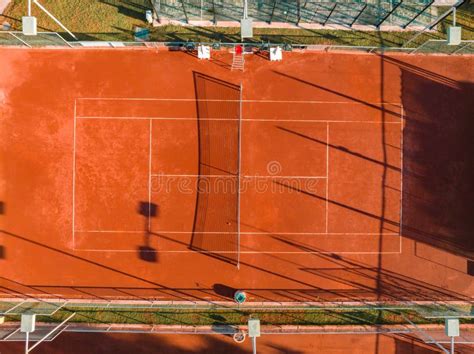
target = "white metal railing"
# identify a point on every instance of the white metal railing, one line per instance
(45, 39)
(443, 44)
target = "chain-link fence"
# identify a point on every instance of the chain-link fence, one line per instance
(345, 13)
(52, 39)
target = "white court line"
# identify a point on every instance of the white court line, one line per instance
(149, 175)
(242, 233)
(74, 177)
(257, 120)
(246, 252)
(234, 176)
(219, 100)
(327, 177)
(232, 119)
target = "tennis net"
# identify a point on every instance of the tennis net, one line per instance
(216, 229)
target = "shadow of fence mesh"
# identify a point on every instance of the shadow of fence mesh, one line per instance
(215, 229)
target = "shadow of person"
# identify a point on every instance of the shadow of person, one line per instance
(146, 252)
(224, 290)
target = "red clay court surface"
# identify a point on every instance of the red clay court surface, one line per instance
(95, 343)
(150, 174)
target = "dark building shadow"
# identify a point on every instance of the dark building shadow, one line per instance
(146, 252)
(438, 161)
(215, 227)
(470, 267)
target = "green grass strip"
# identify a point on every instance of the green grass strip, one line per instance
(202, 317)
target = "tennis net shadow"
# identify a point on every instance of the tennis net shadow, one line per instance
(216, 218)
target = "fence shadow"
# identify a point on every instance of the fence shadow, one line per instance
(358, 281)
(366, 279)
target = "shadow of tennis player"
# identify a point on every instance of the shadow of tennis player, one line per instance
(148, 211)
(224, 290)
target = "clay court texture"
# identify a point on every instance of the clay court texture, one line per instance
(149, 174)
(78, 343)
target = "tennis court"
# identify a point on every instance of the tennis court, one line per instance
(168, 182)
(231, 174)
